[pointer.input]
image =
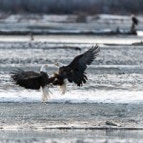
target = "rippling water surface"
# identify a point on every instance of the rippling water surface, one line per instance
(115, 75)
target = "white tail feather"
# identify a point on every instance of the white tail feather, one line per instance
(46, 93)
(63, 87)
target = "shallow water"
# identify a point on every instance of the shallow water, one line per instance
(68, 136)
(114, 77)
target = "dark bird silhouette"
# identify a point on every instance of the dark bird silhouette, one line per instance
(33, 80)
(75, 71)
(135, 22)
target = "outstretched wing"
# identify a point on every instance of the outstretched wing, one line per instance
(81, 61)
(75, 71)
(27, 79)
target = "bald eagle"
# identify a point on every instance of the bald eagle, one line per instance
(75, 71)
(33, 80)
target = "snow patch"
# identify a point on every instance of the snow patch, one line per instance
(88, 96)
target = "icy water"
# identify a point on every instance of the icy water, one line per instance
(114, 77)
(108, 108)
(72, 136)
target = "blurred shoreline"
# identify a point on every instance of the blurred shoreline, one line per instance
(100, 25)
(71, 7)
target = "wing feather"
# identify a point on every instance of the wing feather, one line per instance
(27, 79)
(75, 71)
(81, 61)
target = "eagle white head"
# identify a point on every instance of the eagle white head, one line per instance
(57, 64)
(43, 68)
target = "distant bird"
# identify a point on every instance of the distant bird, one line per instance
(34, 80)
(31, 36)
(135, 22)
(75, 71)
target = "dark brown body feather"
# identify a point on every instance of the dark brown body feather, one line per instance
(31, 79)
(75, 71)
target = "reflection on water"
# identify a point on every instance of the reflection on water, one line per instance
(73, 136)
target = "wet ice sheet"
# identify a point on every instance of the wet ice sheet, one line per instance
(70, 39)
(68, 136)
(23, 122)
(75, 96)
